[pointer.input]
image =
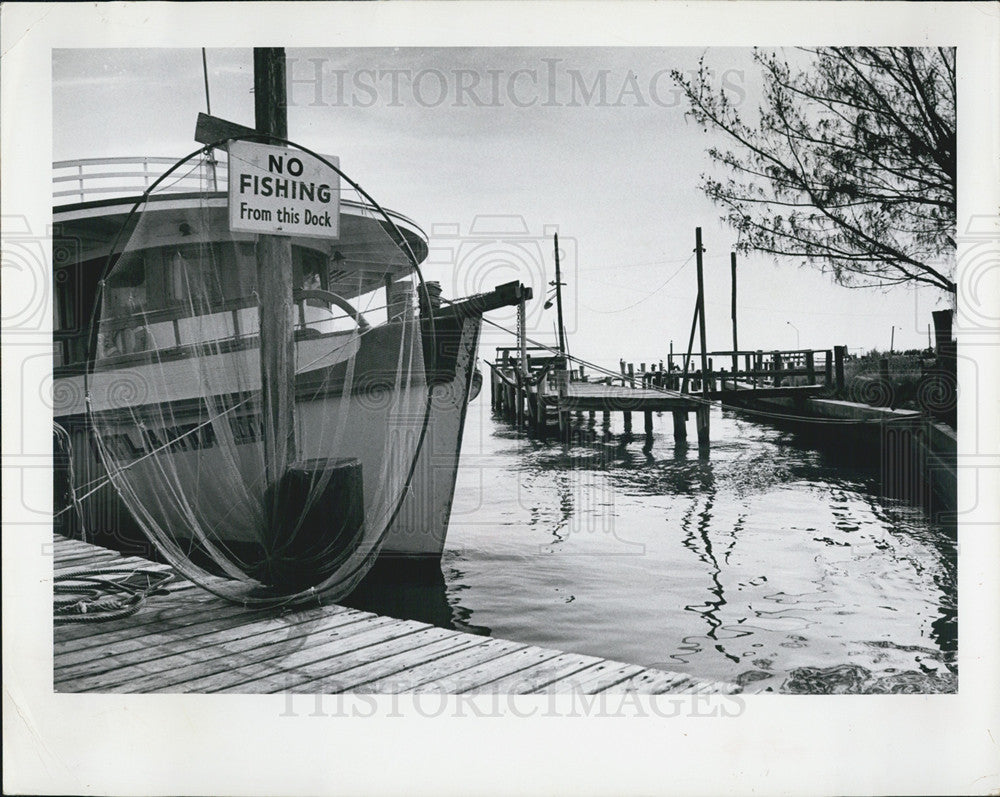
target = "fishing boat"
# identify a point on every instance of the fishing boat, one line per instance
(158, 398)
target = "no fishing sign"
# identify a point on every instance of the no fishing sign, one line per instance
(282, 191)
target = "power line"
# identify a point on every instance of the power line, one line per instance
(650, 294)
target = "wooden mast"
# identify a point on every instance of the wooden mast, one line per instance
(274, 288)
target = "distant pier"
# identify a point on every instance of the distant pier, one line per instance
(541, 391)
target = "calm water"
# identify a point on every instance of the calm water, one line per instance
(765, 562)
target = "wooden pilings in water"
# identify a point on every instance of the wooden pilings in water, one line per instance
(680, 426)
(566, 394)
(702, 415)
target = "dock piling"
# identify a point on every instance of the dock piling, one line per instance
(702, 422)
(839, 353)
(680, 426)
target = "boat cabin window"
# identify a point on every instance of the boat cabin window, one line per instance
(309, 269)
(147, 298)
(193, 274)
(73, 295)
(125, 290)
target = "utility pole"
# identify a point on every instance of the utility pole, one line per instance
(274, 287)
(559, 308)
(698, 249)
(736, 346)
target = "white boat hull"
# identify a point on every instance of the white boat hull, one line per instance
(417, 515)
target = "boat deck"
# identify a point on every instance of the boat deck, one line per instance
(187, 640)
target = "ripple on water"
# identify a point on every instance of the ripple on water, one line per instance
(762, 561)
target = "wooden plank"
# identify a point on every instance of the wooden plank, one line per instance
(276, 669)
(130, 652)
(179, 620)
(597, 678)
(386, 667)
(255, 644)
(77, 566)
(172, 664)
(172, 611)
(699, 687)
(428, 673)
(209, 129)
(316, 669)
(63, 556)
(536, 678)
(481, 677)
(655, 682)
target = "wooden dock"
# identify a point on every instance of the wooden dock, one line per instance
(543, 387)
(531, 383)
(187, 640)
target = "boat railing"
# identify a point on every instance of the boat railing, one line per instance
(103, 178)
(90, 179)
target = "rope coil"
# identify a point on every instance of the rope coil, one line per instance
(93, 596)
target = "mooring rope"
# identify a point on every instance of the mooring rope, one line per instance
(93, 596)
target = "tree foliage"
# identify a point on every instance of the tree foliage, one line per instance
(850, 166)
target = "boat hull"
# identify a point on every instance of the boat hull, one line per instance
(416, 514)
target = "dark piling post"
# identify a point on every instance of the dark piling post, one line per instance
(522, 403)
(274, 286)
(839, 352)
(828, 369)
(699, 250)
(627, 416)
(680, 426)
(541, 413)
(559, 307)
(776, 359)
(648, 417)
(701, 419)
(736, 347)
(810, 368)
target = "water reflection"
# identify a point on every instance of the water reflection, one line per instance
(760, 560)
(411, 589)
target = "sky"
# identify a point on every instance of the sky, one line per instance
(490, 151)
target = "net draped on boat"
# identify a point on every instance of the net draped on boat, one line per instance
(179, 418)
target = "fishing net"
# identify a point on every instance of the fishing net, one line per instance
(274, 495)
